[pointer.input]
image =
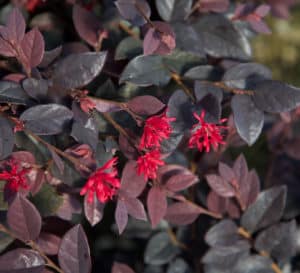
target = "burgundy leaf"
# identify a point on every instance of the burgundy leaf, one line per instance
(157, 205)
(21, 260)
(93, 211)
(226, 172)
(87, 25)
(48, 243)
(121, 216)
(15, 27)
(121, 268)
(135, 208)
(70, 206)
(33, 47)
(74, 252)
(145, 105)
(6, 49)
(50, 56)
(13, 77)
(250, 188)
(26, 159)
(220, 186)
(240, 167)
(214, 5)
(216, 203)
(131, 183)
(58, 161)
(105, 106)
(24, 219)
(36, 178)
(181, 182)
(182, 213)
(126, 147)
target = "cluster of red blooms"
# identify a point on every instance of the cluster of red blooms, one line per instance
(31, 5)
(15, 177)
(103, 182)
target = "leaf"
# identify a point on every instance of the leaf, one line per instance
(135, 208)
(220, 185)
(74, 252)
(131, 183)
(58, 161)
(21, 260)
(24, 219)
(7, 138)
(249, 188)
(226, 172)
(160, 249)
(173, 10)
(48, 243)
(275, 97)
(35, 88)
(157, 205)
(47, 119)
(267, 209)
(128, 48)
(254, 264)
(50, 56)
(240, 167)
(15, 26)
(87, 25)
(182, 213)
(179, 266)
(93, 211)
(246, 75)
(121, 268)
(11, 92)
(121, 216)
(204, 89)
(248, 119)
(77, 70)
(224, 233)
(204, 72)
(145, 105)
(5, 240)
(33, 47)
(145, 71)
(279, 241)
(130, 10)
(181, 182)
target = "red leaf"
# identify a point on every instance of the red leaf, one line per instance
(181, 182)
(182, 213)
(121, 268)
(48, 243)
(131, 183)
(24, 219)
(93, 211)
(145, 105)
(15, 27)
(220, 186)
(135, 208)
(226, 172)
(240, 167)
(105, 106)
(74, 252)
(216, 203)
(157, 205)
(33, 47)
(121, 216)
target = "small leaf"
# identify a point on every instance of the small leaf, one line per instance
(240, 167)
(220, 185)
(226, 172)
(157, 205)
(173, 10)
(179, 266)
(135, 208)
(77, 70)
(254, 264)
(181, 182)
(48, 119)
(160, 249)
(7, 139)
(248, 119)
(12, 92)
(267, 209)
(145, 105)
(50, 56)
(121, 268)
(74, 252)
(121, 216)
(93, 211)
(21, 260)
(145, 71)
(35, 88)
(24, 219)
(128, 48)
(48, 243)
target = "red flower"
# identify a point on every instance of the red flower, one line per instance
(15, 177)
(206, 134)
(103, 182)
(156, 129)
(148, 163)
(31, 5)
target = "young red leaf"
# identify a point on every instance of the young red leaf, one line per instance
(157, 205)
(121, 216)
(24, 219)
(121, 268)
(93, 211)
(74, 252)
(220, 185)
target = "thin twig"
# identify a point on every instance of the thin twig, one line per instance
(128, 31)
(178, 80)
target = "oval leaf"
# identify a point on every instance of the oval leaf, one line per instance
(157, 205)
(93, 211)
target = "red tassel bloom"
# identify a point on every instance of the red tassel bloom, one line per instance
(156, 129)
(31, 5)
(204, 135)
(148, 164)
(15, 177)
(103, 182)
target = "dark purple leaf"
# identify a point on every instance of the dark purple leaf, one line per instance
(77, 70)
(12, 92)
(226, 172)
(181, 182)
(249, 188)
(93, 211)
(157, 205)
(58, 161)
(182, 213)
(50, 56)
(145, 105)
(87, 25)
(47, 119)
(105, 106)
(267, 209)
(35, 88)
(254, 264)
(240, 167)
(121, 268)
(69, 206)
(6, 48)
(204, 72)
(128, 48)
(24, 219)
(131, 10)
(126, 147)
(220, 185)
(214, 5)
(121, 216)
(48, 243)
(21, 260)
(135, 208)
(74, 252)
(131, 183)
(174, 10)
(216, 203)
(7, 139)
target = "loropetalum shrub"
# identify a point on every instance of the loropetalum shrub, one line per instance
(137, 118)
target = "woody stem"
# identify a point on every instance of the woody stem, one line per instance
(178, 80)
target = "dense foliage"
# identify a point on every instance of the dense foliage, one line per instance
(129, 130)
